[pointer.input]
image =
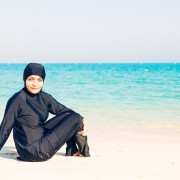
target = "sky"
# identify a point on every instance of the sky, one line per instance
(89, 31)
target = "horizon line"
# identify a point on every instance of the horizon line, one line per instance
(150, 62)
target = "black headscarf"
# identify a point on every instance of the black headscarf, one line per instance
(34, 69)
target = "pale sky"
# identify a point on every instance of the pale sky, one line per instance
(90, 30)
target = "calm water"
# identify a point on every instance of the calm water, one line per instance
(109, 95)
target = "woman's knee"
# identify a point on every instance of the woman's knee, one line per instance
(79, 120)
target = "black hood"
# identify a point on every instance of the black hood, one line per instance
(34, 69)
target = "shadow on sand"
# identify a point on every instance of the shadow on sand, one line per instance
(8, 152)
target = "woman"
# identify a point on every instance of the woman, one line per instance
(37, 139)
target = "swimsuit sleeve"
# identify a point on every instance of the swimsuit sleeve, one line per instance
(10, 115)
(56, 108)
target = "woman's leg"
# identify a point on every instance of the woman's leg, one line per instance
(74, 139)
(71, 148)
(65, 131)
(62, 132)
(71, 144)
(82, 145)
(51, 123)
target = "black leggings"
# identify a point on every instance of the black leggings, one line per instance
(66, 127)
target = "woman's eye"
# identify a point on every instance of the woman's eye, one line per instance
(40, 80)
(30, 79)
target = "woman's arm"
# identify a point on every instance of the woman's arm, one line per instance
(57, 108)
(11, 113)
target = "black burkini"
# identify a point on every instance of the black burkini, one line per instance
(35, 137)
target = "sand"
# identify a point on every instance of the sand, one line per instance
(124, 157)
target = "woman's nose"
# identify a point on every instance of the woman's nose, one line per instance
(35, 83)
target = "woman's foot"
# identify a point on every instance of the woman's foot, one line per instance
(80, 155)
(82, 145)
(76, 154)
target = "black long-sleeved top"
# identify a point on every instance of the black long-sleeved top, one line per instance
(26, 114)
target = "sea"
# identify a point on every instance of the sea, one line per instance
(113, 97)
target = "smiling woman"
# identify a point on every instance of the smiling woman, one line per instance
(34, 84)
(27, 111)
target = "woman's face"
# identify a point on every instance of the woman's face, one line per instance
(34, 84)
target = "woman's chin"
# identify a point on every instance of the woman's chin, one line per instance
(34, 91)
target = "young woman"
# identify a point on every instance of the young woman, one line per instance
(37, 139)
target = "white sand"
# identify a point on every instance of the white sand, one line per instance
(129, 157)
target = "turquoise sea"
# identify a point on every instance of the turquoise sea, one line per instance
(112, 97)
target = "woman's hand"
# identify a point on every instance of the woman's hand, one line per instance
(85, 128)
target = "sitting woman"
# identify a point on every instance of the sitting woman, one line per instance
(36, 138)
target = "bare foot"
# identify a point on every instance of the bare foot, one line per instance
(80, 155)
(76, 154)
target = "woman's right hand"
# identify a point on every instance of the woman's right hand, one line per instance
(85, 128)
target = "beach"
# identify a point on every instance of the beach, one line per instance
(113, 63)
(133, 115)
(128, 157)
